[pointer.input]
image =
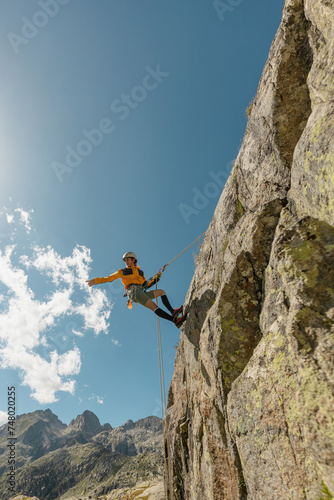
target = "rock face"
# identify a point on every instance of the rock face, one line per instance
(38, 433)
(87, 423)
(133, 438)
(251, 404)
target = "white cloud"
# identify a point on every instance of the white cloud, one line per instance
(72, 270)
(116, 342)
(28, 324)
(24, 218)
(77, 333)
(99, 399)
(94, 311)
(10, 218)
(68, 363)
(45, 377)
(3, 418)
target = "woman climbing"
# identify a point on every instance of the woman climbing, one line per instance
(133, 280)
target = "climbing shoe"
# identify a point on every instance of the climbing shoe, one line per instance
(179, 321)
(177, 311)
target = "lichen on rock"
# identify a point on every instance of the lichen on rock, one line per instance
(251, 405)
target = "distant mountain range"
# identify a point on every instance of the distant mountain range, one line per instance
(83, 459)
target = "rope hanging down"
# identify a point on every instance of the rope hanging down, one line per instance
(168, 467)
(168, 479)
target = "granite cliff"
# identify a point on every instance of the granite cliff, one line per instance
(251, 404)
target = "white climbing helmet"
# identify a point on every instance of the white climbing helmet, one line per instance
(129, 254)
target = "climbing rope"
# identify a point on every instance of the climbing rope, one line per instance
(167, 462)
(168, 480)
(156, 277)
(169, 263)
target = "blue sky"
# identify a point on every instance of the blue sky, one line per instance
(116, 119)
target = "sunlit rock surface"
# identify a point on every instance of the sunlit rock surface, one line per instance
(251, 405)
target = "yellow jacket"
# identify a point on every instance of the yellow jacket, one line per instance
(130, 275)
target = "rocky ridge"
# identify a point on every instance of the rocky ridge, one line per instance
(251, 404)
(83, 459)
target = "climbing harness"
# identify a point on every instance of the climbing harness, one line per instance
(152, 281)
(157, 276)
